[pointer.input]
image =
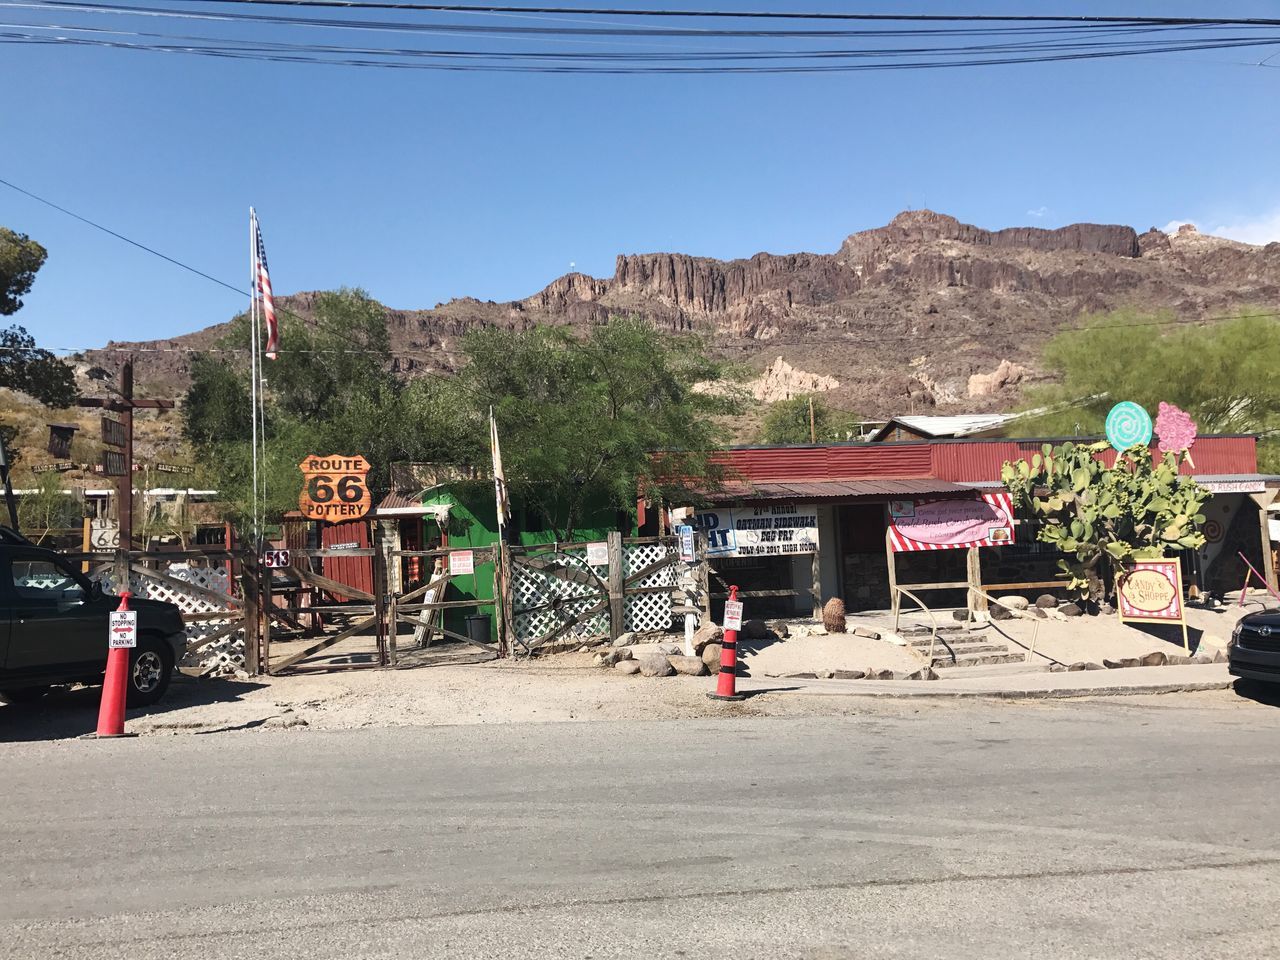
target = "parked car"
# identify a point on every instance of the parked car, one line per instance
(1254, 650)
(53, 628)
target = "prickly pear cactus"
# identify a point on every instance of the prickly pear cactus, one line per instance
(1139, 508)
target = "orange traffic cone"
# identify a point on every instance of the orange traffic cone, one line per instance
(727, 683)
(115, 686)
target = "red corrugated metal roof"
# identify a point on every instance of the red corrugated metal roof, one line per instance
(834, 489)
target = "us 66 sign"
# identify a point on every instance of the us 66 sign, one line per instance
(335, 488)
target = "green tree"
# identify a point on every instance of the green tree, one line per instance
(787, 421)
(20, 259)
(331, 391)
(51, 507)
(1222, 375)
(1137, 509)
(593, 419)
(24, 366)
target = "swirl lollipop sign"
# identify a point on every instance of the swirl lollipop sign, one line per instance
(1128, 425)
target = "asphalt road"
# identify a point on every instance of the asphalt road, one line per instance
(1080, 829)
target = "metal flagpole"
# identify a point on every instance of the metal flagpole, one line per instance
(253, 366)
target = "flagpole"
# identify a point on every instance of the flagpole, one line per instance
(253, 369)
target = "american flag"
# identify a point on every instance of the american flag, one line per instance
(262, 280)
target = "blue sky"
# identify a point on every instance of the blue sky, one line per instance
(424, 186)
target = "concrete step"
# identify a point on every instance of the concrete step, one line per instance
(990, 670)
(969, 661)
(960, 646)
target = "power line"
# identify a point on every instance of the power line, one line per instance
(466, 8)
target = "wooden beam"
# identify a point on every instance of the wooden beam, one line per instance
(1264, 500)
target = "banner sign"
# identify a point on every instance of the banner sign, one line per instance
(335, 488)
(780, 529)
(980, 520)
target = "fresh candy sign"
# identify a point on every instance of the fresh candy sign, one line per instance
(983, 520)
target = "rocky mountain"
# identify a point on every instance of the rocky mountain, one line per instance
(924, 313)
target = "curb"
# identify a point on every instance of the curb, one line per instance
(1062, 693)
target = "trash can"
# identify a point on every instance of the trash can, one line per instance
(479, 627)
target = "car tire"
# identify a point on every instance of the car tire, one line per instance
(23, 695)
(150, 670)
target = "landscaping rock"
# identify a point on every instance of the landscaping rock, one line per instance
(924, 673)
(866, 632)
(1070, 610)
(1040, 614)
(1015, 602)
(801, 676)
(849, 674)
(780, 628)
(1047, 601)
(1058, 668)
(1105, 608)
(879, 674)
(625, 639)
(627, 666)
(655, 666)
(711, 656)
(1178, 659)
(705, 634)
(1122, 663)
(1155, 659)
(756, 630)
(609, 658)
(688, 666)
(997, 612)
(959, 614)
(668, 649)
(1219, 656)
(1202, 658)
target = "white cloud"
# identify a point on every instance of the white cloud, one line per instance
(1038, 212)
(1259, 230)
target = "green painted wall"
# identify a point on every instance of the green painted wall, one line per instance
(473, 523)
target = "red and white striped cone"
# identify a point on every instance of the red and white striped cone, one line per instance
(727, 682)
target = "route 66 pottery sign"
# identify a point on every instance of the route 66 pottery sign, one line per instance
(335, 488)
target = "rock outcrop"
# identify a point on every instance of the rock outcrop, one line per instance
(926, 312)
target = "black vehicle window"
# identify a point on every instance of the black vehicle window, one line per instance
(43, 581)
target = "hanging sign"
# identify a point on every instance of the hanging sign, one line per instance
(122, 629)
(687, 552)
(1151, 592)
(335, 488)
(113, 433)
(780, 529)
(112, 463)
(980, 520)
(1128, 425)
(598, 554)
(462, 563)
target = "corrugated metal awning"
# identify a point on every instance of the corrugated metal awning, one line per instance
(836, 489)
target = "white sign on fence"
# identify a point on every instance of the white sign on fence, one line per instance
(598, 554)
(733, 614)
(462, 563)
(774, 530)
(275, 559)
(686, 543)
(122, 629)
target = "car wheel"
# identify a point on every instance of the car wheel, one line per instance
(24, 695)
(150, 669)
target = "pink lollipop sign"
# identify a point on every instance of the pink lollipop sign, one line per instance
(1176, 430)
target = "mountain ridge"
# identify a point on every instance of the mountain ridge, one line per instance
(925, 312)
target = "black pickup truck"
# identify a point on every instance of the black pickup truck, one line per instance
(53, 628)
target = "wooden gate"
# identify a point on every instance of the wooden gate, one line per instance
(425, 606)
(562, 592)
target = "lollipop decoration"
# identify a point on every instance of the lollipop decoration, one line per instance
(1176, 429)
(1128, 425)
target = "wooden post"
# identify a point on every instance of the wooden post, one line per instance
(1264, 500)
(813, 430)
(704, 573)
(892, 560)
(816, 590)
(86, 544)
(617, 579)
(391, 584)
(257, 650)
(380, 596)
(973, 568)
(506, 605)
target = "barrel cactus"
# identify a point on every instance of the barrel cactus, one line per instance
(833, 616)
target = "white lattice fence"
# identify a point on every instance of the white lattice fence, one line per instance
(224, 655)
(649, 611)
(540, 592)
(552, 601)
